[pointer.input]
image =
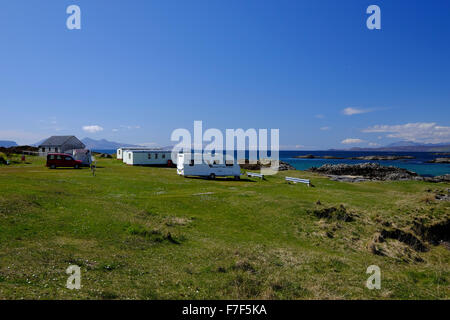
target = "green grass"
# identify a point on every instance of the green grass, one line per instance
(146, 233)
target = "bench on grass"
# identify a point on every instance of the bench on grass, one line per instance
(257, 175)
(298, 180)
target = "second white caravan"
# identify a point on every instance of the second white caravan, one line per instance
(187, 167)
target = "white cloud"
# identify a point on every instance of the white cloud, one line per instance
(373, 144)
(352, 141)
(130, 127)
(352, 111)
(423, 132)
(319, 116)
(92, 128)
(325, 128)
(115, 130)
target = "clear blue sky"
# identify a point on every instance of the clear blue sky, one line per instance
(140, 69)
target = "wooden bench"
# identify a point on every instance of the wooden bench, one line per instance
(257, 175)
(298, 180)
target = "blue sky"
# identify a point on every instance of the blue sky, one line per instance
(139, 69)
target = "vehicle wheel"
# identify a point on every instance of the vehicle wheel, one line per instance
(52, 166)
(77, 166)
(212, 176)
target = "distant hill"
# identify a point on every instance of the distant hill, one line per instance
(409, 146)
(105, 144)
(7, 144)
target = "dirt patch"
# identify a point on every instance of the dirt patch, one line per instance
(244, 265)
(435, 233)
(334, 213)
(154, 235)
(405, 237)
(443, 195)
(177, 221)
(421, 232)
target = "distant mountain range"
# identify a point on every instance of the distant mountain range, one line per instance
(7, 144)
(409, 146)
(104, 144)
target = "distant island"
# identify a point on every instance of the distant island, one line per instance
(7, 144)
(374, 157)
(408, 146)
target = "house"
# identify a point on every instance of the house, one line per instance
(148, 158)
(60, 144)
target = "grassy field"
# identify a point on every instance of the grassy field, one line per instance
(146, 233)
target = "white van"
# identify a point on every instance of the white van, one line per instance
(187, 167)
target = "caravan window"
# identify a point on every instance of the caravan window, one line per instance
(156, 156)
(149, 155)
(163, 155)
(129, 155)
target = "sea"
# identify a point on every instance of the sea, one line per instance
(418, 164)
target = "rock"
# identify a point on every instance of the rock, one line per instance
(440, 160)
(364, 171)
(308, 156)
(244, 164)
(437, 179)
(347, 178)
(284, 166)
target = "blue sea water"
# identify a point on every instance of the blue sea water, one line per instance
(418, 164)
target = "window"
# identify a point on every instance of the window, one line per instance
(119, 152)
(43, 149)
(192, 163)
(51, 157)
(229, 163)
(163, 156)
(58, 157)
(156, 156)
(129, 155)
(149, 155)
(68, 159)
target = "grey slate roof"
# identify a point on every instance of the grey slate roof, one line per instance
(57, 141)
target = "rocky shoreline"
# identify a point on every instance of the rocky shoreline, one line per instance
(440, 160)
(372, 172)
(283, 166)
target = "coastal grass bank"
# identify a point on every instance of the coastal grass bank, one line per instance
(147, 233)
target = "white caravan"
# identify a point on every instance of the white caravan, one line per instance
(121, 151)
(186, 167)
(148, 158)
